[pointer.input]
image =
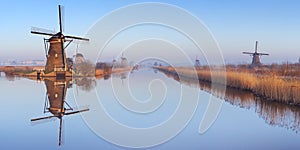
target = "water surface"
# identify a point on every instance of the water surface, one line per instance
(245, 121)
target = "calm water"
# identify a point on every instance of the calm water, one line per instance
(245, 121)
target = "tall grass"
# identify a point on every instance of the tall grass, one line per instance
(270, 87)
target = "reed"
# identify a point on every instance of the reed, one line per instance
(270, 87)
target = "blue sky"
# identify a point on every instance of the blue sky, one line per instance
(235, 25)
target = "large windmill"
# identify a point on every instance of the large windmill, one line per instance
(55, 103)
(56, 64)
(255, 56)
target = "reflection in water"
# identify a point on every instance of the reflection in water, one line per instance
(277, 115)
(55, 102)
(274, 113)
(10, 77)
(122, 76)
(85, 84)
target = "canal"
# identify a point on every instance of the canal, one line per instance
(120, 110)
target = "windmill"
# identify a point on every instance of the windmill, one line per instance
(55, 103)
(197, 63)
(114, 62)
(79, 58)
(124, 62)
(55, 49)
(255, 56)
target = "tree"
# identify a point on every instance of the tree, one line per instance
(85, 69)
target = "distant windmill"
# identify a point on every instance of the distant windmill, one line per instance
(124, 62)
(255, 56)
(197, 63)
(55, 53)
(115, 62)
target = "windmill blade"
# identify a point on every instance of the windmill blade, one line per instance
(248, 53)
(76, 90)
(77, 49)
(77, 111)
(60, 132)
(77, 38)
(75, 41)
(262, 54)
(37, 30)
(42, 33)
(42, 121)
(63, 98)
(256, 46)
(46, 103)
(41, 118)
(61, 17)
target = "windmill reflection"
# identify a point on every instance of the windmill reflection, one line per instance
(55, 102)
(122, 76)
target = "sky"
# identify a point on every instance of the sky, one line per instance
(235, 25)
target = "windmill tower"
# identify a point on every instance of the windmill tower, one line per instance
(255, 56)
(56, 64)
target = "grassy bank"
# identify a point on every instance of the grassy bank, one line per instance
(274, 88)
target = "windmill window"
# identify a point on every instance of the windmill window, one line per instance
(55, 55)
(56, 95)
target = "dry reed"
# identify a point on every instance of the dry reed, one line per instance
(270, 87)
